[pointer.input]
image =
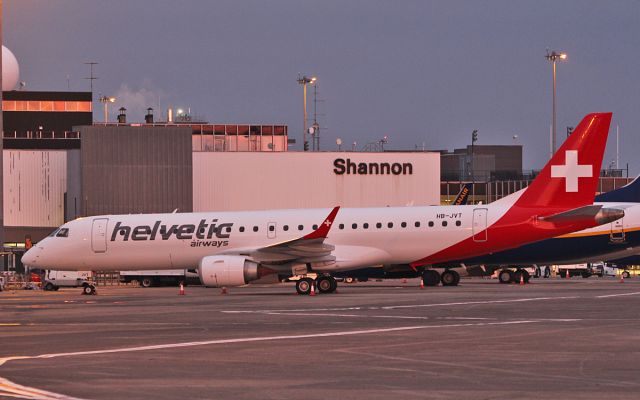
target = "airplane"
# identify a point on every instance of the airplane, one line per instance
(234, 248)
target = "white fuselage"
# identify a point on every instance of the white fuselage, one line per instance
(361, 236)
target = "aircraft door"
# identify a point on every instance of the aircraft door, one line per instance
(271, 230)
(617, 231)
(480, 225)
(99, 235)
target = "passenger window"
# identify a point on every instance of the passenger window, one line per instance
(315, 227)
(242, 229)
(378, 225)
(228, 229)
(404, 224)
(390, 224)
(354, 226)
(430, 224)
(417, 224)
(285, 228)
(300, 227)
(365, 225)
(458, 223)
(63, 232)
(255, 229)
(341, 226)
(272, 228)
(444, 223)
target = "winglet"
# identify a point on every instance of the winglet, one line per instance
(323, 229)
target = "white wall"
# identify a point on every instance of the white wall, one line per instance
(253, 181)
(34, 186)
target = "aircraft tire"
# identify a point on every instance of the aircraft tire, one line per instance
(505, 276)
(146, 282)
(326, 284)
(450, 278)
(431, 277)
(303, 286)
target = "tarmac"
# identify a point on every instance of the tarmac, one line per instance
(551, 339)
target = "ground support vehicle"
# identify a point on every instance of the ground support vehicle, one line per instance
(54, 280)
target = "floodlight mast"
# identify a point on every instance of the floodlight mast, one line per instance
(553, 57)
(304, 80)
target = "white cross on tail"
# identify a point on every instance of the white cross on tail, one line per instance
(571, 171)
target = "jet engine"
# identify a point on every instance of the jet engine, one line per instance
(218, 271)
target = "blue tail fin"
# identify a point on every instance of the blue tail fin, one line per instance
(630, 193)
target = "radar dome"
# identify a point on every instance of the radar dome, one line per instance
(10, 70)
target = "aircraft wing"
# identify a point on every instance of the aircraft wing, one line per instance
(308, 248)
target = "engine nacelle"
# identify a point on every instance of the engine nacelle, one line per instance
(218, 271)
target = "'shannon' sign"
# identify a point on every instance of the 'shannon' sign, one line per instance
(348, 167)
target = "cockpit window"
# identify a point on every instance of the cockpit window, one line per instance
(63, 232)
(52, 234)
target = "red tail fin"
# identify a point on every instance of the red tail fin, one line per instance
(570, 178)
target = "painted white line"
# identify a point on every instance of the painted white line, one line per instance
(257, 339)
(466, 303)
(12, 389)
(617, 295)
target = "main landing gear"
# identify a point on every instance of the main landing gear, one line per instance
(449, 277)
(509, 276)
(323, 284)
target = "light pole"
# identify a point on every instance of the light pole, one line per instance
(553, 57)
(304, 80)
(105, 101)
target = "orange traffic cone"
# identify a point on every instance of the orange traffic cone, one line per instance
(521, 279)
(181, 293)
(421, 283)
(567, 274)
(313, 290)
(223, 290)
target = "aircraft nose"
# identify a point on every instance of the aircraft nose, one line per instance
(30, 257)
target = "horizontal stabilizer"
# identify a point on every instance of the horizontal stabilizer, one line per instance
(586, 213)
